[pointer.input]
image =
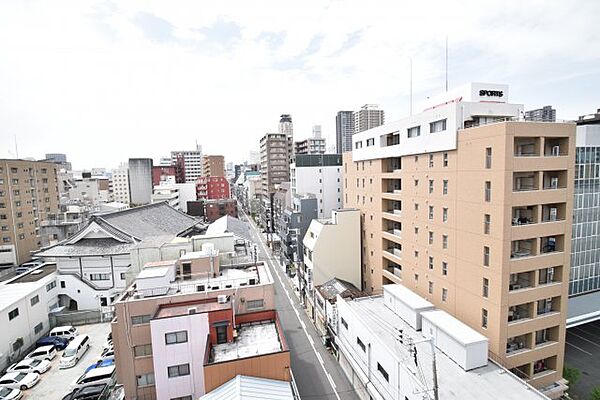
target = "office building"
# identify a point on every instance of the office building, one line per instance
(544, 114)
(189, 163)
(28, 194)
(320, 175)
(119, 184)
(213, 166)
(344, 129)
(368, 117)
(584, 281)
(140, 181)
(473, 212)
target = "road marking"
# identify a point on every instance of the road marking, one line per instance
(579, 348)
(582, 338)
(312, 344)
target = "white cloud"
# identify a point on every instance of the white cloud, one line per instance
(106, 81)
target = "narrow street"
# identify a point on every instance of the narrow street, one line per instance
(316, 371)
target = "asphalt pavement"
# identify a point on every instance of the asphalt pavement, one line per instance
(316, 372)
(582, 351)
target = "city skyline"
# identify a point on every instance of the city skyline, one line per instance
(124, 76)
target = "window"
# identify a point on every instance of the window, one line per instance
(178, 370)
(445, 163)
(444, 214)
(344, 323)
(486, 223)
(430, 262)
(444, 241)
(370, 142)
(445, 187)
(358, 145)
(444, 268)
(50, 286)
(414, 131)
(416, 277)
(383, 372)
(430, 237)
(416, 230)
(34, 300)
(99, 277)
(13, 314)
(486, 256)
(488, 157)
(176, 337)
(416, 206)
(416, 182)
(416, 253)
(360, 344)
(430, 212)
(430, 287)
(140, 319)
(484, 318)
(444, 294)
(488, 191)
(142, 350)
(486, 287)
(38, 328)
(145, 380)
(122, 276)
(255, 304)
(431, 161)
(437, 126)
(430, 186)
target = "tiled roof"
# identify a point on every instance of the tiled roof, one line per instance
(330, 289)
(88, 247)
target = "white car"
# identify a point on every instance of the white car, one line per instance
(108, 354)
(43, 353)
(10, 394)
(19, 380)
(30, 365)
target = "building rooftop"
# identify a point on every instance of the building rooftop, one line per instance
(183, 308)
(491, 381)
(253, 340)
(459, 331)
(250, 388)
(25, 284)
(229, 224)
(408, 297)
(34, 274)
(330, 289)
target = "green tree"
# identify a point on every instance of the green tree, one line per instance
(595, 393)
(571, 374)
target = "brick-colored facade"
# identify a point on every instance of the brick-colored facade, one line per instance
(212, 188)
(215, 209)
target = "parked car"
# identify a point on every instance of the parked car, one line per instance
(67, 332)
(30, 365)
(19, 380)
(43, 353)
(108, 345)
(58, 342)
(87, 393)
(74, 351)
(10, 394)
(96, 376)
(108, 354)
(100, 364)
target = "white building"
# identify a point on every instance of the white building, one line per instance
(385, 356)
(119, 184)
(321, 175)
(193, 162)
(168, 193)
(332, 249)
(187, 192)
(25, 302)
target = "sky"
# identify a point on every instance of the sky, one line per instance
(106, 81)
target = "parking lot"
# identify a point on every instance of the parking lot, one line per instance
(582, 351)
(54, 384)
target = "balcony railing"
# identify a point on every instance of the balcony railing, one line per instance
(395, 270)
(518, 313)
(517, 344)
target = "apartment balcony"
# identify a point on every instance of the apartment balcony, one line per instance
(393, 272)
(518, 344)
(520, 281)
(520, 312)
(525, 181)
(523, 248)
(552, 244)
(392, 165)
(392, 209)
(393, 251)
(527, 146)
(556, 146)
(548, 306)
(544, 367)
(524, 215)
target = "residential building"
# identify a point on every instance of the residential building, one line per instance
(323, 259)
(28, 195)
(368, 117)
(344, 129)
(275, 157)
(90, 190)
(161, 173)
(187, 192)
(544, 114)
(254, 157)
(584, 280)
(471, 212)
(93, 263)
(65, 223)
(188, 163)
(26, 300)
(119, 184)
(325, 305)
(310, 146)
(140, 181)
(212, 188)
(215, 209)
(398, 347)
(285, 125)
(187, 326)
(320, 175)
(293, 224)
(168, 193)
(247, 191)
(213, 166)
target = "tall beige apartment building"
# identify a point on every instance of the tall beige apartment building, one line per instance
(473, 212)
(28, 194)
(213, 165)
(275, 155)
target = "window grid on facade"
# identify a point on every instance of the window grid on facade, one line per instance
(488, 191)
(486, 223)
(488, 157)
(486, 256)
(178, 370)
(486, 287)
(484, 318)
(444, 268)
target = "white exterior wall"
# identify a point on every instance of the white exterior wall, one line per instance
(119, 183)
(86, 190)
(193, 163)
(8, 255)
(187, 192)
(191, 352)
(324, 182)
(29, 316)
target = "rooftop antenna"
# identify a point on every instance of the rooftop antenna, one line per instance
(16, 147)
(411, 93)
(446, 63)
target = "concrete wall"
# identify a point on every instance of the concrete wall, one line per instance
(325, 182)
(140, 180)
